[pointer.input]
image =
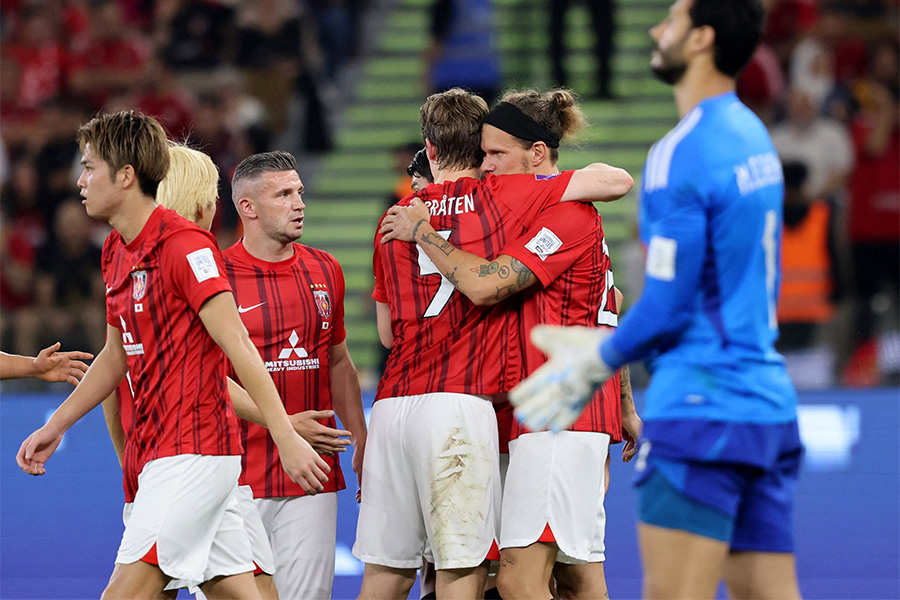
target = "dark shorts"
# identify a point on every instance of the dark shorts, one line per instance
(747, 506)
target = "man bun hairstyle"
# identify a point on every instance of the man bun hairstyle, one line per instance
(557, 111)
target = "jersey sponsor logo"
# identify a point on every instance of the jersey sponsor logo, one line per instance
(284, 362)
(451, 205)
(760, 170)
(203, 264)
(292, 349)
(139, 285)
(661, 258)
(128, 343)
(243, 309)
(323, 303)
(544, 244)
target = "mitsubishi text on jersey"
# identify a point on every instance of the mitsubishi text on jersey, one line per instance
(294, 312)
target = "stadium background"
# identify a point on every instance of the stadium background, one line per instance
(58, 533)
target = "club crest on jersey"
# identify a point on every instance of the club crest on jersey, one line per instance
(323, 303)
(139, 285)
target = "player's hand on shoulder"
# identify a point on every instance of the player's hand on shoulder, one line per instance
(324, 440)
(556, 393)
(400, 222)
(303, 464)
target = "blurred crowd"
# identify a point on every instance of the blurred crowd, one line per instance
(826, 80)
(234, 78)
(231, 78)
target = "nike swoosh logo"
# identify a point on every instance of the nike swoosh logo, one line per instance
(242, 310)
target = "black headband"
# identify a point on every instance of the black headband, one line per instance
(513, 121)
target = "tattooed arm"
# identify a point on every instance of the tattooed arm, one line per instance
(483, 281)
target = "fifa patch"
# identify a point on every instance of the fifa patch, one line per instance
(323, 303)
(138, 285)
(661, 258)
(544, 243)
(203, 264)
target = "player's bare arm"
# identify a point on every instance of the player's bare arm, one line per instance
(346, 398)
(324, 440)
(484, 282)
(49, 365)
(598, 182)
(631, 422)
(383, 321)
(114, 425)
(302, 464)
(100, 381)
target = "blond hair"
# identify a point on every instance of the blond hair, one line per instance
(192, 184)
(556, 110)
(129, 138)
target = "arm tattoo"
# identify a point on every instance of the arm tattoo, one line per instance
(490, 269)
(441, 244)
(416, 228)
(506, 292)
(524, 276)
(451, 277)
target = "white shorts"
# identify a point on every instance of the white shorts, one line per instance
(302, 532)
(430, 472)
(187, 506)
(256, 533)
(557, 479)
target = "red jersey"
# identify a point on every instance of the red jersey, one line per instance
(442, 341)
(155, 287)
(294, 311)
(567, 252)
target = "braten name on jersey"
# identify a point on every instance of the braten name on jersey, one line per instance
(305, 364)
(451, 205)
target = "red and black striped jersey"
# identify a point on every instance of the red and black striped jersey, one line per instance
(155, 287)
(442, 341)
(294, 312)
(566, 250)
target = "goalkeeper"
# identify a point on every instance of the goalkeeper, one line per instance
(720, 449)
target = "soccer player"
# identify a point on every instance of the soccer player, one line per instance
(420, 171)
(720, 454)
(190, 188)
(291, 299)
(49, 365)
(565, 254)
(431, 469)
(170, 315)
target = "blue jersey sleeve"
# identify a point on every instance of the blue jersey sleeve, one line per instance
(674, 228)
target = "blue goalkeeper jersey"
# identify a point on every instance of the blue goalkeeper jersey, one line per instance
(711, 219)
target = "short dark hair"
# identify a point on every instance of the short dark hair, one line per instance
(129, 138)
(738, 25)
(420, 166)
(255, 165)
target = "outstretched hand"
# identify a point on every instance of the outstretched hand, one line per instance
(324, 440)
(51, 365)
(401, 222)
(556, 393)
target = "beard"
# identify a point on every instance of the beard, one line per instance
(669, 74)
